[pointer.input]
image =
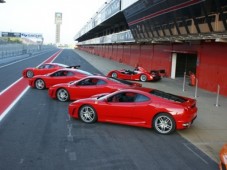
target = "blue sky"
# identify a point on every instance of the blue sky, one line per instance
(37, 16)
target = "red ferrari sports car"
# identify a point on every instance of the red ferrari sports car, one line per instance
(144, 108)
(44, 69)
(59, 76)
(139, 73)
(87, 87)
(223, 158)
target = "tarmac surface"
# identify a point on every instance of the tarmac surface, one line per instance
(209, 130)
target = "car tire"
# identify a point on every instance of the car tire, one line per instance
(164, 123)
(62, 95)
(29, 74)
(114, 75)
(87, 114)
(143, 78)
(40, 84)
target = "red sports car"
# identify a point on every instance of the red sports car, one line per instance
(59, 76)
(44, 69)
(139, 73)
(223, 158)
(87, 87)
(144, 108)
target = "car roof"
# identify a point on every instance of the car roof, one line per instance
(59, 64)
(76, 70)
(138, 90)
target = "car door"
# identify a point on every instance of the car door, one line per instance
(84, 88)
(143, 110)
(117, 110)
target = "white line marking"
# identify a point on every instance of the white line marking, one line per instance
(12, 104)
(196, 154)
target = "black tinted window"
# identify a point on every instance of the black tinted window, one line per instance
(141, 98)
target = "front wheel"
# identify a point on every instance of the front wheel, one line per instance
(164, 123)
(40, 84)
(143, 78)
(87, 114)
(62, 95)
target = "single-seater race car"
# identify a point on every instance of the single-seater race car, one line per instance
(44, 69)
(60, 76)
(139, 73)
(146, 107)
(87, 87)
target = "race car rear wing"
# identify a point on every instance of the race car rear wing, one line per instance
(76, 66)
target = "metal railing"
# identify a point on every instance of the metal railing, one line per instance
(11, 50)
(196, 89)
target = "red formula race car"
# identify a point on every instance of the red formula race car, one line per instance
(139, 73)
(87, 87)
(59, 76)
(223, 158)
(44, 69)
(144, 108)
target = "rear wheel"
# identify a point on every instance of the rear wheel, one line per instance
(62, 95)
(87, 114)
(29, 74)
(143, 78)
(114, 75)
(164, 123)
(40, 84)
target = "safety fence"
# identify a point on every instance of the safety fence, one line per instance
(11, 50)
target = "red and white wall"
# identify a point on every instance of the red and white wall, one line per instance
(211, 67)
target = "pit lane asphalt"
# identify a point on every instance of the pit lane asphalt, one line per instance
(38, 134)
(209, 130)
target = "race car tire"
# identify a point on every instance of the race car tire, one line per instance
(143, 78)
(29, 74)
(62, 95)
(164, 123)
(114, 75)
(40, 84)
(87, 114)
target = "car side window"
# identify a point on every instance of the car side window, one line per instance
(88, 82)
(70, 73)
(47, 66)
(42, 66)
(100, 82)
(51, 66)
(141, 98)
(59, 73)
(123, 97)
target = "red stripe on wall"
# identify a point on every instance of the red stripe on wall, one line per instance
(164, 11)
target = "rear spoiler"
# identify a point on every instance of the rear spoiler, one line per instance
(76, 66)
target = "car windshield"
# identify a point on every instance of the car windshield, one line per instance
(168, 96)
